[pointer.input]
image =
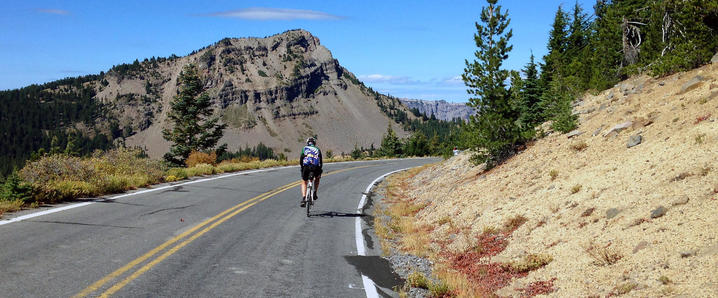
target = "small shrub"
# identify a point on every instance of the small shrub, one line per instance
(489, 230)
(705, 170)
(15, 189)
(602, 255)
(700, 139)
(418, 280)
(444, 220)
(576, 188)
(262, 73)
(665, 280)
(681, 176)
(197, 157)
(624, 288)
(439, 289)
(553, 174)
(201, 169)
(177, 173)
(171, 178)
(530, 262)
(580, 146)
(588, 212)
(514, 223)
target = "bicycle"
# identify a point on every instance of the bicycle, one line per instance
(309, 198)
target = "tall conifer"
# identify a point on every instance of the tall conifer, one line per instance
(494, 131)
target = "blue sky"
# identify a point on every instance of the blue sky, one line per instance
(413, 49)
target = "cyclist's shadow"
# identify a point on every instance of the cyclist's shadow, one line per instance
(330, 214)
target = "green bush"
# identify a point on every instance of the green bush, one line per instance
(15, 189)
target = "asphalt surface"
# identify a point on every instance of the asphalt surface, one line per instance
(238, 236)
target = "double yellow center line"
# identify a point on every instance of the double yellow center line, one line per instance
(215, 221)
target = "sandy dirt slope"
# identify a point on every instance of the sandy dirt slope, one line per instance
(652, 209)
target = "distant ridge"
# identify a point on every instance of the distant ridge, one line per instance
(441, 109)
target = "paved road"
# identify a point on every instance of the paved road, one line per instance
(237, 236)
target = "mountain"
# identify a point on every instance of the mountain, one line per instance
(277, 90)
(441, 109)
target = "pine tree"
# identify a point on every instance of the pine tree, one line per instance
(577, 51)
(531, 113)
(194, 128)
(557, 45)
(390, 143)
(494, 131)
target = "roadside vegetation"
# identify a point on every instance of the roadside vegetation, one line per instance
(57, 178)
(466, 272)
(463, 219)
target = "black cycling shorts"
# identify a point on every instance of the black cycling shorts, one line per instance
(308, 169)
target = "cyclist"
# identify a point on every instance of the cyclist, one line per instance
(310, 162)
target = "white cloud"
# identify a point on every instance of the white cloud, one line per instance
(380, 78)
(456, 80)
(264, 13)
(61, 12)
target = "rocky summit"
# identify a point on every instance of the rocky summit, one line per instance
(277, 90)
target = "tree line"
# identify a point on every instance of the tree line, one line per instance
(585, 53)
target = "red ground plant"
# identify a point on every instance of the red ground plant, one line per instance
(702, 118)
(485, 275)
(540, 287)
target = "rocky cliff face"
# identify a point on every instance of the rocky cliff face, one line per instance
(442, 109)
(276, 90)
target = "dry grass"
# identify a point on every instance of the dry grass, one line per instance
(554, 174)
(579, 146)
(514, 223)
(624, 288)
(602, 255)
(576, 188)
(418, 280)
(59, 177)
(10, 206)
(530, 262)
(665, 280)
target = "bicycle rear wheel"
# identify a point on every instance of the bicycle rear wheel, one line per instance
(309, 198)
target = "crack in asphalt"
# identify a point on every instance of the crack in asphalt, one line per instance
(167, 209)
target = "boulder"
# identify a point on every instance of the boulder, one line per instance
(611, 213)
(597, 131)
(618, 128)
(641, 245)
(693, 83)
(658, 212)
(574, 133)
(634, 141)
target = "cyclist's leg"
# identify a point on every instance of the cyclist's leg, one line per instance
(304, 188)
(305, 177)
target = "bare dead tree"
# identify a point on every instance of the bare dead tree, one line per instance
(631, 40)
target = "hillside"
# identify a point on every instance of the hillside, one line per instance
(624, 205)
(276, 90)
(441, 109)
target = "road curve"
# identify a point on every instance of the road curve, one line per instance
(236, 236)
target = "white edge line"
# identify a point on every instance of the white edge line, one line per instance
(73, 206)
(369, 285)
